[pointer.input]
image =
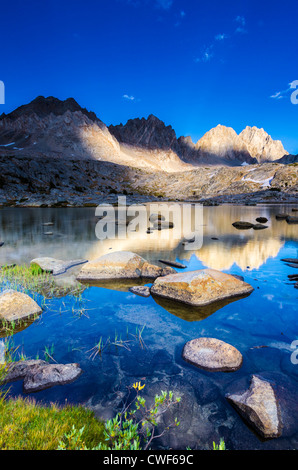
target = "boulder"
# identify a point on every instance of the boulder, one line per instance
(121, 265)
(16, 306)
(212, 355)
(41, 376)
(242, 225)
(143, 291)
(199, 288)
(56, 266)
(281, 216)
(259, 407)
(262, 220)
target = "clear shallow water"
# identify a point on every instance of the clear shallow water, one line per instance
(268, 317)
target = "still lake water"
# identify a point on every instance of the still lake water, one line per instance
(268, 317)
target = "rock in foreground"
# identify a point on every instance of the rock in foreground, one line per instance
(121, 265)
(16, 306)
(259, 406)
(39, 375)
(212, 355)
(199, 288)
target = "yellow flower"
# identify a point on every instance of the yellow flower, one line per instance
(138, 386)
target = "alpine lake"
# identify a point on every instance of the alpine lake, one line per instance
(142, 338)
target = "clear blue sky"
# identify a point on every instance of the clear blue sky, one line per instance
(192, 63)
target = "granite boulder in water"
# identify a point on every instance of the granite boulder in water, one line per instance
(121, 265)
(200, 288)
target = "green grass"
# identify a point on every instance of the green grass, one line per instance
(26, 425)
(33, 279)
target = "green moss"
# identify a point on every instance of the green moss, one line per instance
(25, 425)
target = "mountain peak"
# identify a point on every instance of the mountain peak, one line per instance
(43, 106)
(150, 133)
(261, 145)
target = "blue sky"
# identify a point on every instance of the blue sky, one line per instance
(192, 63)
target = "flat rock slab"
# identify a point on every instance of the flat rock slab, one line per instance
(281, 216)
(16, 306)
(174, 264)
(143, 291)
(121, 265)
(259, 407)
(199, 288)
(212, 355)
(242, 225)
(56, 266)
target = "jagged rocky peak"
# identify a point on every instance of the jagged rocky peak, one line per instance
(151, 133)
(223, 143)
(43, 107)
(261, 145)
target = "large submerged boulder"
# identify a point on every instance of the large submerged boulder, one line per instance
(259, 407)
(121, 265)
(199, 288)
(16, 306)
(212, 354)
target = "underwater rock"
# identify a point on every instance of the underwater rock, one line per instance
(262, 220)
(212, 354)
(199, 288)
(258, 405)
(121, 265)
